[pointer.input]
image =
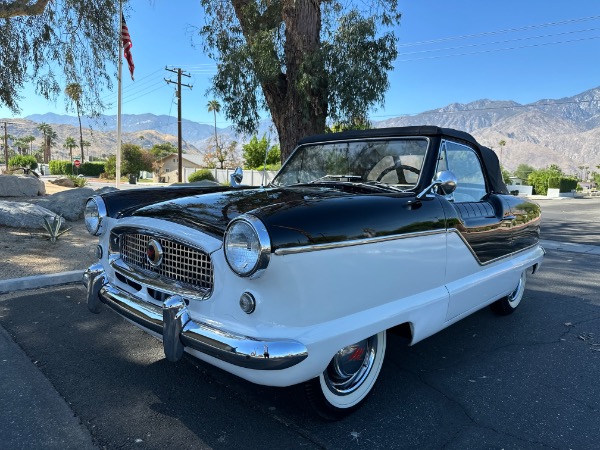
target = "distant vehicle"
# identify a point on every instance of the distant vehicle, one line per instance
(360, 233)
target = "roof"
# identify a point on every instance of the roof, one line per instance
(425, 130)
(194, 159)
(490, 160)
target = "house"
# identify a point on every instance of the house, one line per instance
(516, 181)
(168, 167)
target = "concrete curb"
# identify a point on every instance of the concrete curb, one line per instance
(40, 281)
(570, 247)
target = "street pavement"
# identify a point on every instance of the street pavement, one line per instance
(524, 381)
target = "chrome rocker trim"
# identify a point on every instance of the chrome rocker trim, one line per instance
(178, 330)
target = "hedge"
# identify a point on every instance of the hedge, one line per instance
(563, 184)
(65, 167)
(60, 167)
(567, 184)
(92, 169)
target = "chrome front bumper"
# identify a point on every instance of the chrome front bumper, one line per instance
(178, 330)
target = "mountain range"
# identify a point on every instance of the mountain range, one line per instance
(562, 131)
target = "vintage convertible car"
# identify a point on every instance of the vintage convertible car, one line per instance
(298, 282)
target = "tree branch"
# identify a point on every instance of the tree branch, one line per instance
(22, 8)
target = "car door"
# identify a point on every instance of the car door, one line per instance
(481, 220)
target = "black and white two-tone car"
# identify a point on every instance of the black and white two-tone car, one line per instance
(298, 282)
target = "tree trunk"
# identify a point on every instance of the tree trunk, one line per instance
(80, 134)
(303, 111)
(297, 110)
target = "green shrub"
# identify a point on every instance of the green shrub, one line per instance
(202, 174)
(567, 184)
(91, 169)
(110, 168)
(27, 161)
(60, 167)
(554, 182)
(77, 181)
(271, 167)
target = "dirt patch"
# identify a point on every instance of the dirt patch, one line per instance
(26, 252)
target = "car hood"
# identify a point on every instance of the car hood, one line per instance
(301, 215)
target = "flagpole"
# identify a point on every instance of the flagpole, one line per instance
(119, 70)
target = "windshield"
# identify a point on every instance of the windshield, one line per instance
(395, 162)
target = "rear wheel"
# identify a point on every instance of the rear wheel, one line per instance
(348, 379)
(508, 304)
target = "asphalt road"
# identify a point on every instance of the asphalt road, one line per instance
(529, 380)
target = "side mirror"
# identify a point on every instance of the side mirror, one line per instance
(445, 181)
(236, 177)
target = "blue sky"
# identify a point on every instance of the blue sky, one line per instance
(449, 51)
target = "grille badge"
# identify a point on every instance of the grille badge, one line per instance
(154, 253)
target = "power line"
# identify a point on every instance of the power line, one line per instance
(490, 33)
(499, 49)
(501, 42)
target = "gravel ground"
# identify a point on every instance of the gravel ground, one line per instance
(25, 252)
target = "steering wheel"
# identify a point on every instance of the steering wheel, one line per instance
(396, 167)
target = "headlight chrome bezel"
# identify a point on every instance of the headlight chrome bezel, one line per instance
(263, 255)
(95, 216)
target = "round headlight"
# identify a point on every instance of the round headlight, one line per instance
(247, 246)
(94, 214)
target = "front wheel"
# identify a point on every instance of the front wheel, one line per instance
(348, 379)
(507, 305)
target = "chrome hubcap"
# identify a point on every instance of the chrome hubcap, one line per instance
(515, 296)
(350, 366)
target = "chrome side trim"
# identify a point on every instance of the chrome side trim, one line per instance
(352, 243)
(179, 330)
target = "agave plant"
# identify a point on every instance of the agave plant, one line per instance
(53, 227)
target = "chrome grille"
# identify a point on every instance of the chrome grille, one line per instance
(182, 263)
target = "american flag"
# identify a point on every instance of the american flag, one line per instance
(127, 44)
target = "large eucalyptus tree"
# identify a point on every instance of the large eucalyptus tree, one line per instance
(55, 43)
(306, 62)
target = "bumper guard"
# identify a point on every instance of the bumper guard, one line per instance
(178, 330)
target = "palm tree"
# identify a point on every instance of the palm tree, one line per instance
(70, 144)
(49, 136)
(215, 107)
(73, 91)
(87, 144)
(502, 143)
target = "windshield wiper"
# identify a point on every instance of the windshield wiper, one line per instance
(382, 184)
(356, 180)
(347, 178)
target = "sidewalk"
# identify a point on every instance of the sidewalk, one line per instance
(33, 414)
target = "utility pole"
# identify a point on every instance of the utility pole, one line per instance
(6, 144)
(179, 73)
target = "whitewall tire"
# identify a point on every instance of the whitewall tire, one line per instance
(507, 305)
(348, 379)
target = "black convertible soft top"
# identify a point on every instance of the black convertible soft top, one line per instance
(492, 167)
(489, 158)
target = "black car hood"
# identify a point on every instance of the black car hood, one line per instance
(302, 215)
